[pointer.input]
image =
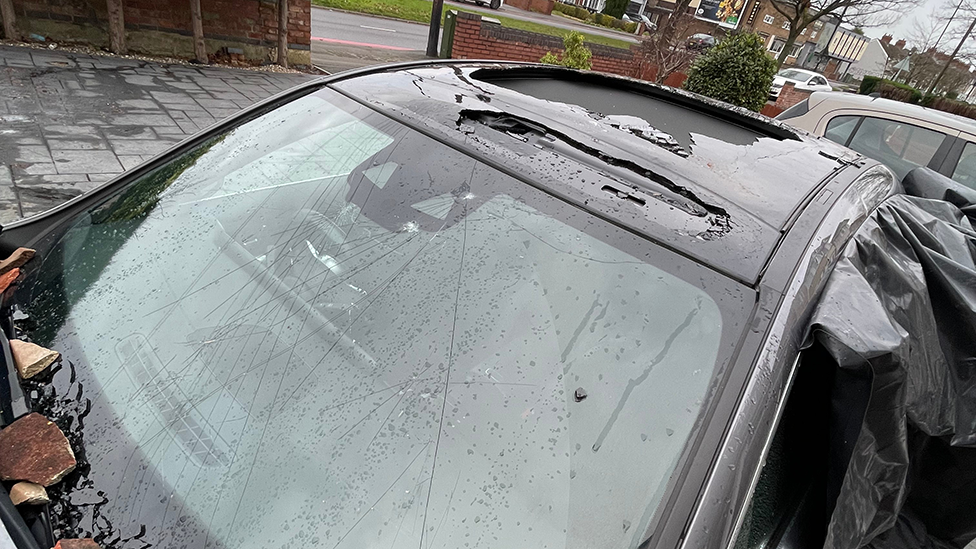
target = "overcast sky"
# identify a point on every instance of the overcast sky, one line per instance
(903, 27)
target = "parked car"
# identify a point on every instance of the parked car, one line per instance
(700, 42)
(801, 79)
(901, 135)
(449, 304)
(493, 4)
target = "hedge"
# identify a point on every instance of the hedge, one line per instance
(890, 89)
(601, 19)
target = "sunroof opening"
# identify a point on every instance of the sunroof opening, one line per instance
(609, 96)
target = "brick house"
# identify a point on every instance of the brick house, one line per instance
(758, 16)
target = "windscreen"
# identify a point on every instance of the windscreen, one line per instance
(794, 74)
(323, 329)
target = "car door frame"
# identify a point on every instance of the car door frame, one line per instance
(947, 163)
(938, 160)
(788, 292)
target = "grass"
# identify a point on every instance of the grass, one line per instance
(419, 11)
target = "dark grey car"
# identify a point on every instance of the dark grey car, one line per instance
(445, 305)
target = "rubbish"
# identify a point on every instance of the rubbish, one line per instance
(899, 310)
(37, 37)
(31, 359)
(29, 493)
(16, 259)
(580, 395)
(84, 543)
(33, 448)
(8, 278)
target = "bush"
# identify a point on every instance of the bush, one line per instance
(630, 26)
(575, 54)
(890, 89)
(868, 84)
(615, 8)
(582, 13)
(736, 71)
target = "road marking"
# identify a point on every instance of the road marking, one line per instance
(376, 28)
(363, 44)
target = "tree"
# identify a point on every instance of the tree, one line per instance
(663, 52)
(736, 71)
(802, 13)
(615, 8)
(575, 54)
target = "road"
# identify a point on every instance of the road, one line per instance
(343, 28)
(342, 40)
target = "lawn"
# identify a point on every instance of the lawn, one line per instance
(419, 11)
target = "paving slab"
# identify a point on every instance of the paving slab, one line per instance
(73, 121)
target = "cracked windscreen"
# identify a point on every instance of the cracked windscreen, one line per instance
(324, 329)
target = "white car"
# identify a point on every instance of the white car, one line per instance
(801, 80)
(901, 135)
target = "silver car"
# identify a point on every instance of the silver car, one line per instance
(901, 135)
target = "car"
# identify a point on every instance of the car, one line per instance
(801, 79)
(700, 42)
(493, 4)
(445, 304)
(901, 135)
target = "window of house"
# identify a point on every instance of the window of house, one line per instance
(795, 50)
(803, 32)
(813, 34)
(777, 45)
(768, 19)
(786, 25)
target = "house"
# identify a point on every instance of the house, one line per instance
(717, 17)
(873, 62)
(837, 50)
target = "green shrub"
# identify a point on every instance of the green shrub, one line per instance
(952, 95)
(630, 26)
(890, 89)
(582, 13)
(868, 84)
(615, 8)
(575, 54)
(738, 70)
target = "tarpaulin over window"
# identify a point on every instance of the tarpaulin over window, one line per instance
(899, 311)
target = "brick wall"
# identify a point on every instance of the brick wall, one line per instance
(163, 26)
(539, 6)
(477, 39)
(790, 96)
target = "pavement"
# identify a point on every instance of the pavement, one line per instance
(69, 122)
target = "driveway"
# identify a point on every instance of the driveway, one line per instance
(70, 122)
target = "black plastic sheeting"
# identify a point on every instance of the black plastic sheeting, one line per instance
(898, 316)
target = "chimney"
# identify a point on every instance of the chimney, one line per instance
(900, 44)
(886, 39)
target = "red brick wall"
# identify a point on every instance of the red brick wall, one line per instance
(248, 21)
(474, 39)
(540, 6)
(790, 96)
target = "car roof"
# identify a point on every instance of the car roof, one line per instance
(841, 100)
(711, 181)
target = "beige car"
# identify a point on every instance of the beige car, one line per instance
(901, 135)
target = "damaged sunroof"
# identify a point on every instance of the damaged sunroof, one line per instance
(679, 121)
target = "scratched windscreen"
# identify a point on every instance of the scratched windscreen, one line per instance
(322, 329)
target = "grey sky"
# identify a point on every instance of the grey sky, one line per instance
(902, 28)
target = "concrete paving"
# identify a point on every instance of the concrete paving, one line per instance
(69, 122)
